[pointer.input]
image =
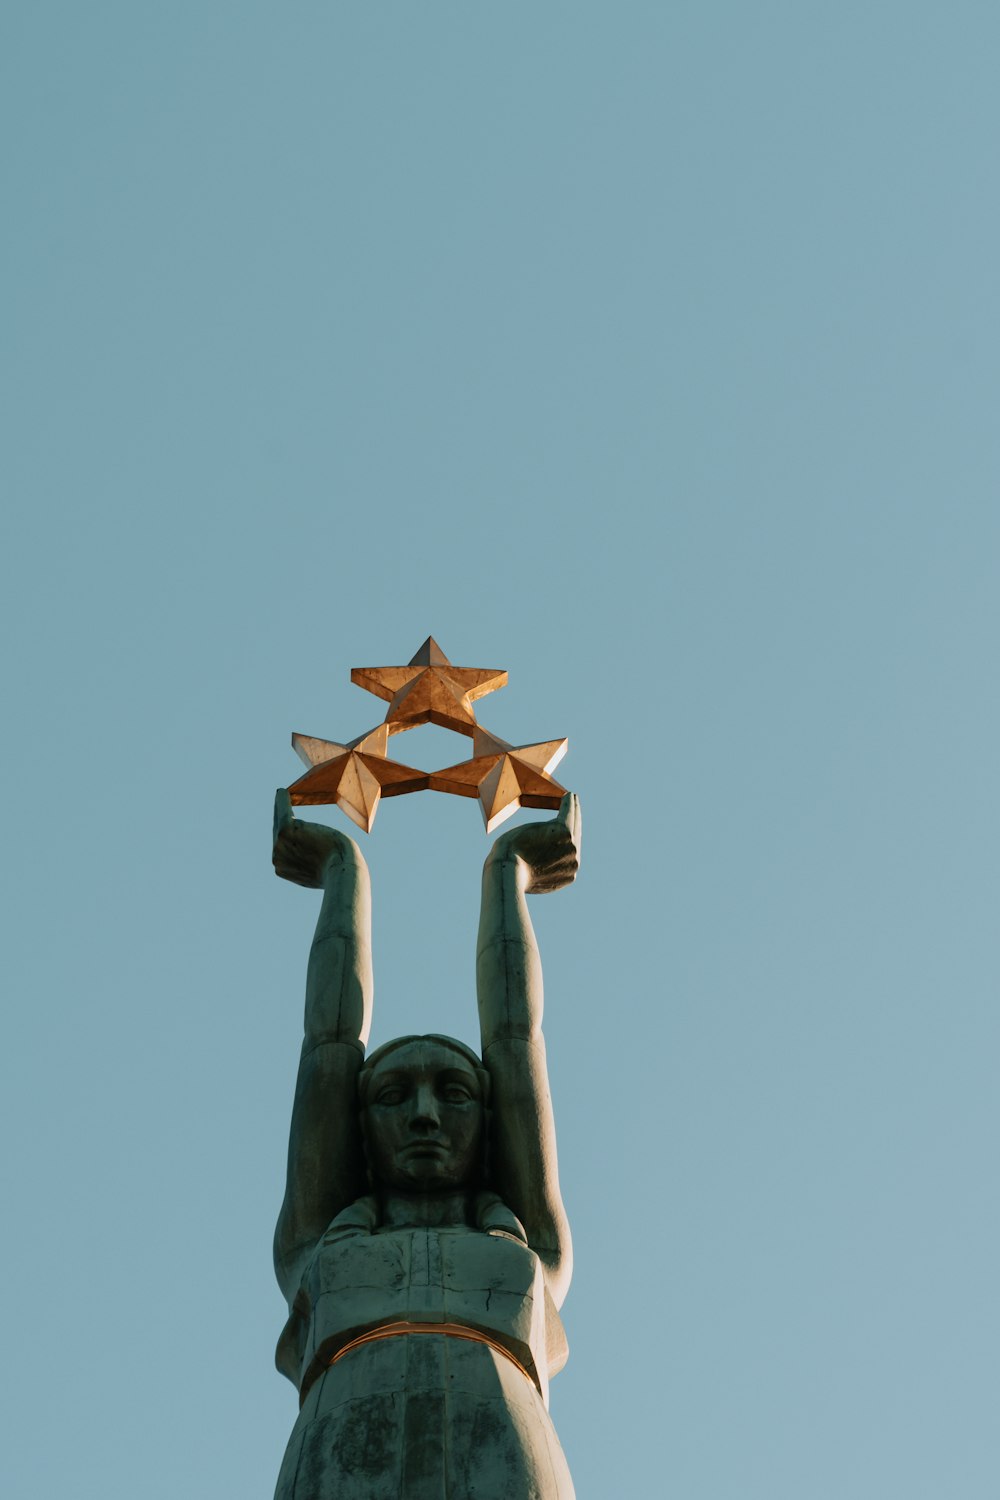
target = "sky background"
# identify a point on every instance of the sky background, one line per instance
(650, 352)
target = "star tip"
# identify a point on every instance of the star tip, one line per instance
(429, 655)
(494, 820)
(358, 818)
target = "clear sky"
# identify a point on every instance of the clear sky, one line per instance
(649, 351)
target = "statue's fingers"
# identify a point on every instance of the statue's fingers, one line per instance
(283, 814)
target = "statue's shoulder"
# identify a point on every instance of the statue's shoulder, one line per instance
(358, 1218)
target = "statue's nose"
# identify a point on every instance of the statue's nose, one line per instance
(425, 1114)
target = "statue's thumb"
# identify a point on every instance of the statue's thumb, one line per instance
(569, 815)
(283, 814)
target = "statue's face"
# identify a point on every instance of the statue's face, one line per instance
(424, 1120)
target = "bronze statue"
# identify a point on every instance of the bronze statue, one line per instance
(422, 1244)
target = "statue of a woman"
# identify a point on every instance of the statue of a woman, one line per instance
(422, 1244)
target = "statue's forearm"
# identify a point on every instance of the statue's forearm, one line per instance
(324, 1151)
(509, 986)
(508, 967)
(339, 977)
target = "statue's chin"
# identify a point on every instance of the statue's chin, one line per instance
(426, 1175)
(433, 1180)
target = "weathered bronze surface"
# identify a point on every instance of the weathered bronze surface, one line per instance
(422, 1245)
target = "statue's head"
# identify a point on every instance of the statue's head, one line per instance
(424, 1104)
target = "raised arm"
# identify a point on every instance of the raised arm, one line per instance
(534, 858)
(325, 1158)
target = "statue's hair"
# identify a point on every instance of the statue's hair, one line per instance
(466, 1053)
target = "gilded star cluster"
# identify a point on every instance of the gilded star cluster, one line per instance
(428, 690)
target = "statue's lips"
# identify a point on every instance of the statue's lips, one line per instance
(425, 1148)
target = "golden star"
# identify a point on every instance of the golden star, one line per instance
(356, 776)
(504, 777)
(429, 690)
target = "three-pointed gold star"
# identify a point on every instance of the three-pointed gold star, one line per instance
(355, 776)
(504, 777)
(429, 690)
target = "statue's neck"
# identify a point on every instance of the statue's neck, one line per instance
(424, 1210)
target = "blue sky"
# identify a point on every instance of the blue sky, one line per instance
(649, 352)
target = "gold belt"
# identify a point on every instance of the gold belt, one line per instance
(450, 1330)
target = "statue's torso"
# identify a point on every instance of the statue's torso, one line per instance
(423, 1414)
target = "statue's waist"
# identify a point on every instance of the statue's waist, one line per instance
(515, 1336)
(448, 1330)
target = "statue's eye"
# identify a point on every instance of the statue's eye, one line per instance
(456, 1094)
(389, 1096)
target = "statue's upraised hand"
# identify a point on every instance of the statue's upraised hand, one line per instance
(549, 852)
(303, 851)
